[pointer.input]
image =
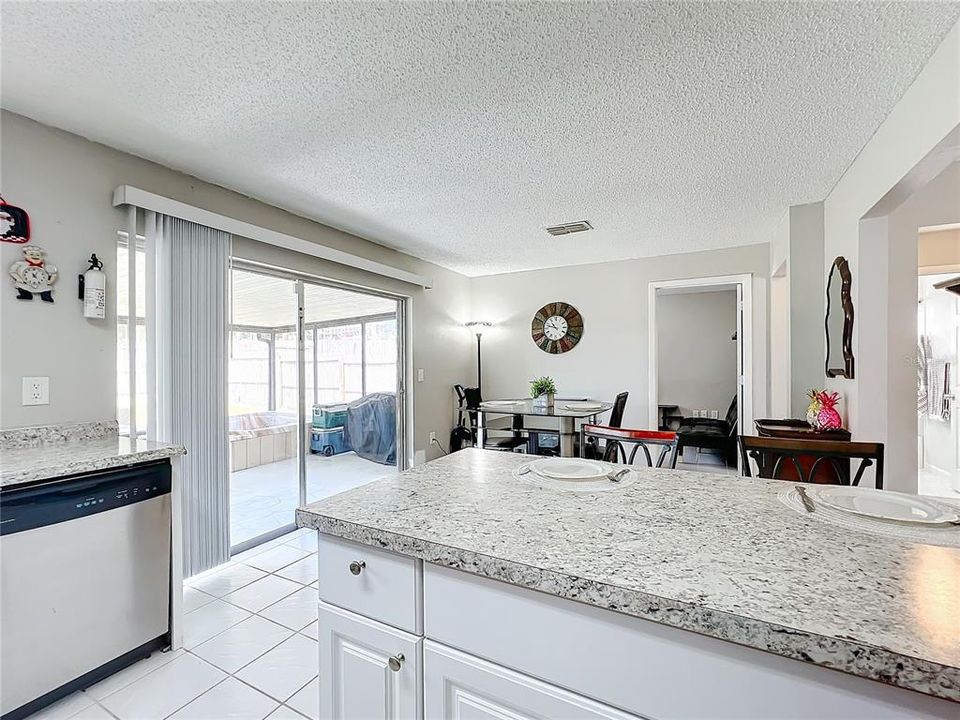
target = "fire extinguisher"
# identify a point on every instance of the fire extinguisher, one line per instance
(93, 289)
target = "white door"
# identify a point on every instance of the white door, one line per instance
(368, 670)
(457, 685)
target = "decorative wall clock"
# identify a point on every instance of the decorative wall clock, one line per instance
(557, 327)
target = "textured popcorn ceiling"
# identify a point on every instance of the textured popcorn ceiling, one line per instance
(457, 132)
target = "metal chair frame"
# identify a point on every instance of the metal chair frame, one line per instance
(616, 437)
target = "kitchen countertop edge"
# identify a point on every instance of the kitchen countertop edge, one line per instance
(836, 653)
(156, 451)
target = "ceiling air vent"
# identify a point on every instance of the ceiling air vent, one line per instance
(568, 228)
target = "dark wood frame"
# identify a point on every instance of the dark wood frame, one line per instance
(770, 453)
(841, 267)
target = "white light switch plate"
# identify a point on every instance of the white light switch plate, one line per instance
(419, 374)
(36, 391)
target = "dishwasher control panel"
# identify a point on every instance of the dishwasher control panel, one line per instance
(59, 501)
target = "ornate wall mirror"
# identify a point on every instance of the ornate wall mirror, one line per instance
(838, 323)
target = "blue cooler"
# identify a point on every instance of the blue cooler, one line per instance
(328, 441)
(329, 416)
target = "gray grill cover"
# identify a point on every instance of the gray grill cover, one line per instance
(371, 427)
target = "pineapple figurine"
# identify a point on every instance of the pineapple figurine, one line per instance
(828, 418)
(813, 409)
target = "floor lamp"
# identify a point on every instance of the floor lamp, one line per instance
(477, 327)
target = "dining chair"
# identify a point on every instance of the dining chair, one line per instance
(779, 458)
(616, 438)
(592, 448)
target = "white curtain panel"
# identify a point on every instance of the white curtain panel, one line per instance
(187, 308)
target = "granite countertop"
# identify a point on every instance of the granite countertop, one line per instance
(717, 555)
(36, 454)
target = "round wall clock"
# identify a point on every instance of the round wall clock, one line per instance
(557, 327)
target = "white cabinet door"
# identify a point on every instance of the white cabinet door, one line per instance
(368, 670)
(458, 686)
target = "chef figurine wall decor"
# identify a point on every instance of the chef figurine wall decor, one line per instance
(33, 275)
(14, 223)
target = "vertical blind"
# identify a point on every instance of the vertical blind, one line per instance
(187, 310)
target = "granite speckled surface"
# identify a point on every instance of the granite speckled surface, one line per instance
(721, 556)
(66, 432)
(34, 454)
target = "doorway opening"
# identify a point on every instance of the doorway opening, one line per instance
(700, 335)
(315, 390)
(938, 351)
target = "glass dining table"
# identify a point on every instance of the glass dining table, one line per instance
(567, 411)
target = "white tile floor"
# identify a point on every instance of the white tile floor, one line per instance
(250, 648)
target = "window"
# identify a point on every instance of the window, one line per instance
(131, 388)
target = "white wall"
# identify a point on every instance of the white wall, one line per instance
(796, 309)
(696, 357)
(780, 344)
(927, 113)
(612, 297)
(807, 341)
(66, 183)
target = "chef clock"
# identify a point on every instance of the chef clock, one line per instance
(557, 327)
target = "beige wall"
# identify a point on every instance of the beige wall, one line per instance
(66, 183)
(696, 355)
(612, 297)
(939, 251)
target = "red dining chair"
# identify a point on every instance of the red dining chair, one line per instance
(616, 438)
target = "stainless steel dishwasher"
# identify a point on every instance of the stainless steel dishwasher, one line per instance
(84, 581)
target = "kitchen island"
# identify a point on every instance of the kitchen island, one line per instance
(458, 585)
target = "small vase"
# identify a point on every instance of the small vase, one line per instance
(544, 402)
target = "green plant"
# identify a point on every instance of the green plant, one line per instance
(543, 386)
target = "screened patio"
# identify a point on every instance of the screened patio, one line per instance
(350, 351)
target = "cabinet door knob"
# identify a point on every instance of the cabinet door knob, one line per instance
(396, 662)
(357, 566)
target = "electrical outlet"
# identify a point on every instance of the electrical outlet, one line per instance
(433, 437)
(36, 391)
(419, 374)
(698, 413)
(715, 414)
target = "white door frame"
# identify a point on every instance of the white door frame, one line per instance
(744, 341)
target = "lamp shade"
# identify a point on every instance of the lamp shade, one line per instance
(478, 326)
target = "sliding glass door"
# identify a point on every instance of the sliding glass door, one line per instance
(315, 396)
(351, 353)
(263, 404)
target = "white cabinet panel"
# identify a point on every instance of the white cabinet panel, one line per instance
(368, 671)
(375, 583)
(645, 667)
(457, 685)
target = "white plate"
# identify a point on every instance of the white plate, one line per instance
(570, 469)
(884, 504)
(582, 406)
